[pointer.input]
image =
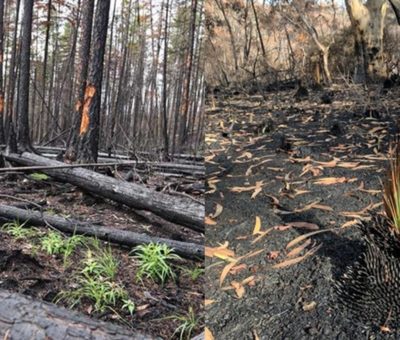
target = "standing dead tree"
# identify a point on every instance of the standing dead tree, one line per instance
(368, 21)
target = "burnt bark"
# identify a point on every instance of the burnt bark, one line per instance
(23, 90)
(118, 236)
(84, 56)
(89, 134)
(22, 317)
(2, 136)
(180, 210)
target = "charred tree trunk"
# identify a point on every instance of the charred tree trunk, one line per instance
(179, 210)
(12, 76)
(2, 136)
(118, 236)
(90, 121)
(23, 90)
(21, 317)
(84, 56)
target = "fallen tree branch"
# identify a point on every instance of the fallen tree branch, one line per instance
(22, 317)
(118, 236)
(178, 210)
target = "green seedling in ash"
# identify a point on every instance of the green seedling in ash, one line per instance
(193, 273)
(19, 231)
(154, 262)
(96, 282)
(53, 243)
(188, 323)
(101, 263)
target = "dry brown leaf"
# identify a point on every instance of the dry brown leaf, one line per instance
(261, 235)
(239, 289)
(209, 221)
(304, 225)
(291, 262)
(237, 269)
(221, 251)
(257, 226)
(350, 223)
(255, 336)
(314, 205)
(323, 207)
(218, 211)
(258, 189)
(252, 254)
(331, 180)
(330, 164)
(207, 334)
(208, 302)
(249, 171)
(349, 165)
(272, 255)
(249, 281)
(226, 271)
(296, 251)
(309, 306)
(305, 236)
(246, 154)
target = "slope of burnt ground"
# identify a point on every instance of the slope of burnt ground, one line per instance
(280, 167)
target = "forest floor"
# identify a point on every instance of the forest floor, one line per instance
(25, 267)
(279, 168)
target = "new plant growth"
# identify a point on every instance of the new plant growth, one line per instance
(155, 261)
(18, 230)
(53, 243)
(187, 324)
(96, 282)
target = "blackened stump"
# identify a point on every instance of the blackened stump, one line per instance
(370, 288)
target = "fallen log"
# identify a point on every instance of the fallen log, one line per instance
(110, 234)
(178, 210)
(22, 317)
(121, 155)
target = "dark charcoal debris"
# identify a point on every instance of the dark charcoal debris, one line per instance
(370, 288)
(327, 97)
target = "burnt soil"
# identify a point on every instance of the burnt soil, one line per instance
(287, 160)
(26, 269)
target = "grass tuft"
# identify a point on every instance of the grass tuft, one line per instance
(154, 261)
(391, 190)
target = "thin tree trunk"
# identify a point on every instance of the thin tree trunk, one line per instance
(2, 136)
(90, 123)
(23, 90)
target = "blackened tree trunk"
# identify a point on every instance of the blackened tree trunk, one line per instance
(90, 120)
(23, 90)
(2, 137)
(189, 67)
(12, 75)
(45, 60)
(84, 57)
(164, 95)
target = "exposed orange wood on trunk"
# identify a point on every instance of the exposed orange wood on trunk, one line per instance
(1, 102)
(89, 94)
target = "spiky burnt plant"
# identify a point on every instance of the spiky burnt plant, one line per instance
(370, 287)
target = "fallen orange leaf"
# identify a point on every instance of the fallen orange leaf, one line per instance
(296, 251)
(290, 262)
(226, 271)
(207, 334)
(305, 236)
(208, 302)
(209, 221)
